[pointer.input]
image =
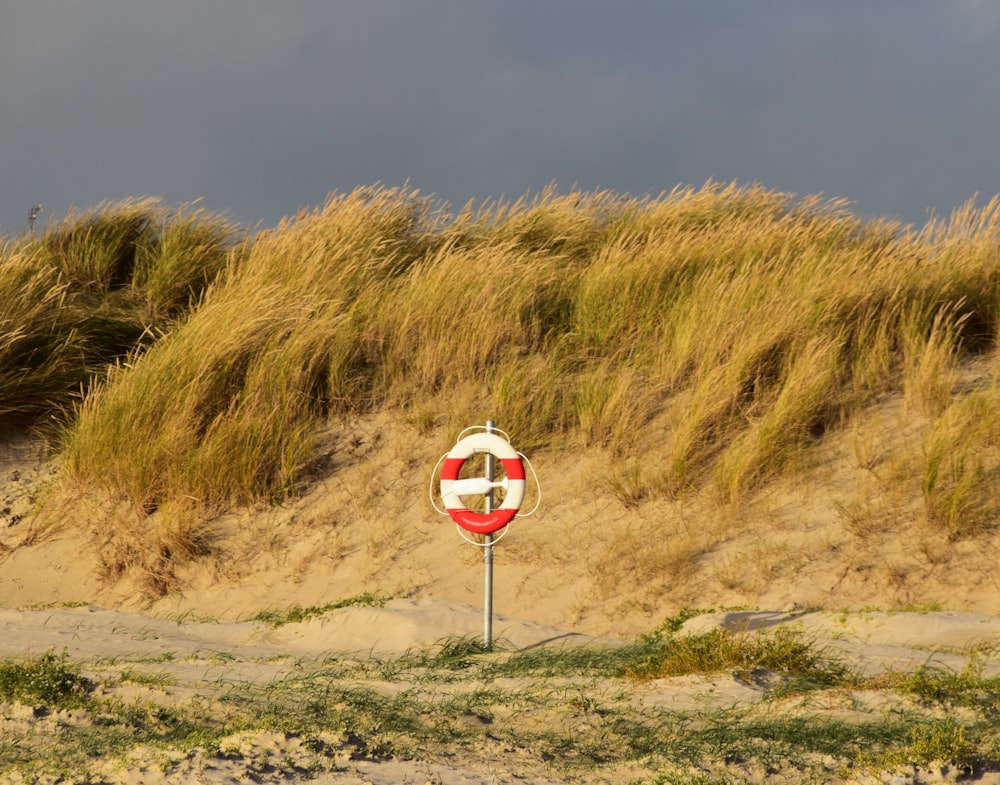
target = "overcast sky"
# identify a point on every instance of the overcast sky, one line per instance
(260, 108)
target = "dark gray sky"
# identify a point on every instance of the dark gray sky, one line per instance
(259, 108)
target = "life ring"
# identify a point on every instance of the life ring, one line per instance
(483, 522)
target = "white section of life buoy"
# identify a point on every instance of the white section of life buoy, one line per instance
(482, 522)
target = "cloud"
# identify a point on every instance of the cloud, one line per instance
(262, 108)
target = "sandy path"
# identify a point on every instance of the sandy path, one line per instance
(199, 658)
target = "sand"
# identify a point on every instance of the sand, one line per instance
(367, 527)
(197, 657)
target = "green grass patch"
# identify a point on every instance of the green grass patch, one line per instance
(936, 685)
(51, 680)
(297, 614)
(785, 652)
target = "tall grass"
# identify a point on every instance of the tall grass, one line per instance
(89, 292)
(961, 466)
(716, 332)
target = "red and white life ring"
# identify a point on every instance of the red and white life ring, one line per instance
(483, 522)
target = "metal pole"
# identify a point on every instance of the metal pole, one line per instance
(32, 215)
(488, 555)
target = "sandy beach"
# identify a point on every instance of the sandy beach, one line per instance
(203, 641)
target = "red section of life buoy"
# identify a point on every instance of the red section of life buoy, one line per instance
(483, 522)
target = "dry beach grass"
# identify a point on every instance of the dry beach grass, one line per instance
(734, 399)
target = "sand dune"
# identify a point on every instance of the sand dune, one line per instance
(557, 585)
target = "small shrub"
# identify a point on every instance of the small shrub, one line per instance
(50, 679)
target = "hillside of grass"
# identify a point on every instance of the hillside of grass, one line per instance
(708, 342)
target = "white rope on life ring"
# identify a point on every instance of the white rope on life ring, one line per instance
(452, 487)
